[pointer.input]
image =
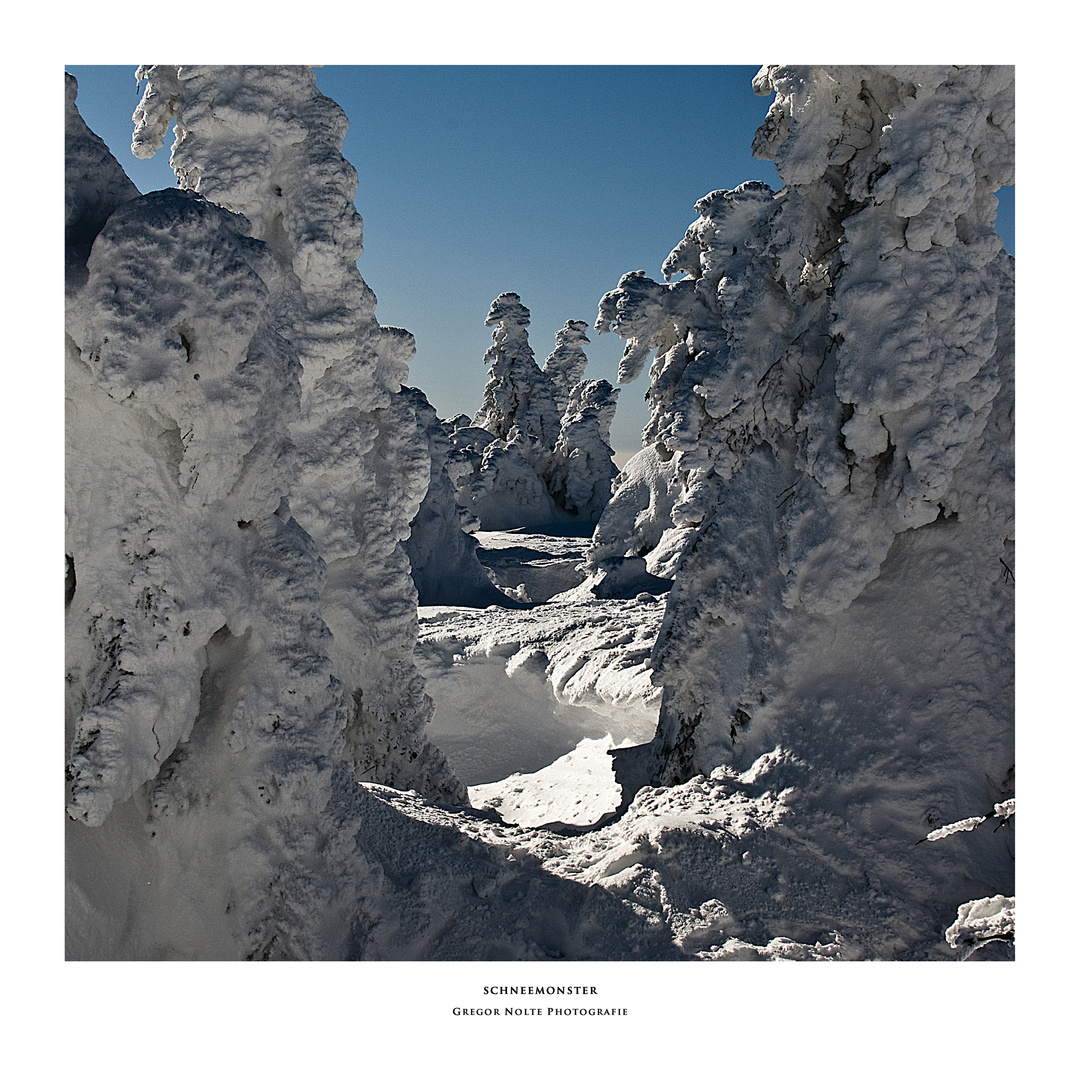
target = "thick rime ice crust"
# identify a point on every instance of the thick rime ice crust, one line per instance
(565, 366)
(517, 394)
(265, 143)
(827, 470)
(242, 473)
(582, 471)
(980, 922)
(179, 399)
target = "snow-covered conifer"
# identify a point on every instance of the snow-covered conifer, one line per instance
(518, 395)
(565, 365)
(582, 469)
(242, 471)
(830, 453)
(552, 455)
(263, 142)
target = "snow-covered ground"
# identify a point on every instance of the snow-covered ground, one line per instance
(527, 702)
(770, 861)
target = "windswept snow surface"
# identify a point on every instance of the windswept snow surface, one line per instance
(518, 690)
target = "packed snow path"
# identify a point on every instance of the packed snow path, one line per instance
(529, 701)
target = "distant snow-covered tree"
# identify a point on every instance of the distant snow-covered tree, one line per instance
(566, 363)
(544, 454)
(518, 395)
(582, 469)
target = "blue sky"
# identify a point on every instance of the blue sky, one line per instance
(547, 181)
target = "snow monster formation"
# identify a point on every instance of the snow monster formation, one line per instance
(582, 471)
(538, 445)
(828, 475)
(241, 469)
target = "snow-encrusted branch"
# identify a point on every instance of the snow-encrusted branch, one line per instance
(1003, 810)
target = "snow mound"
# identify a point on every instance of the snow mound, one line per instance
(980, 922)
(576, 789)
(699, 871)
(539, 564)
(593, 653)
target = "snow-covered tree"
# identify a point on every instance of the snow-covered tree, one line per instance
(242, 470)
(552, 460)
(828, 466)
(565, 365)
(582, 469)
(519, 398)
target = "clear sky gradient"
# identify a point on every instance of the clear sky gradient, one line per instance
(550, 182)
